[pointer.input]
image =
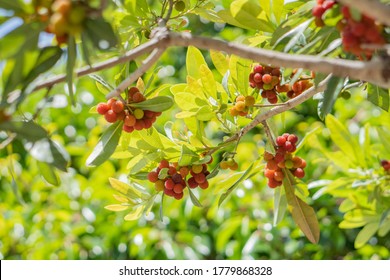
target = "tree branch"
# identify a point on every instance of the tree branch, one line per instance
(146, 64)
(374, 71)
(372, 8)
(130, 55)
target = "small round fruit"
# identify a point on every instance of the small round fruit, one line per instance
(267, 78)
(224, 165)
(138, 114)
(197, 168)
(110, 116)
(178, 188)
(61, 6)
(169, 184)
(299, 173)
(204, 185)
(159, 185)
(240, 106)
(269, 173)
(184, 171)
(292, 138)
(128, 129)
(138, 97)
(192, 183)
(117, 106)
(102, 108)
(130, 120)
(139, 125)
(200, 178)
(153, 176)
(234, 166)
(258, 69)
(163, 164)
(249, 101)
(280, 140)
(180, 6)
(178, 196)
(289, 164)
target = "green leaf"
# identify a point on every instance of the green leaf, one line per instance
(48, 56)
(11, 5)
(193, 198)
(220, 61)
(126, 189)
(344, 140)
(187, 156)
(193, 62)
(277, 9)
(332, 91)
(48, 173)
(106, 145)
(280, 205)
(365, 234)
(70, 63)
(155, 104)
(101, 84)
(235, 185)
(208, 81)
(289, 40)
(46, 150)
(303, 215)
(136, 214)
(243, 71)
(100, 33)
(29, 131)
(116, 207)
(378, 96)
(384, 137)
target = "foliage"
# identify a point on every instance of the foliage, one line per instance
(61, 162)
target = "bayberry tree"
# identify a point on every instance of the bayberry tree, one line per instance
(244, 74)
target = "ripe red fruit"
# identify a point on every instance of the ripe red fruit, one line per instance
(102, 108)
(153, 176)
(272, 165)
(184, 171)
(110, 102)
(127, 128)
(288, 146)
(139, 125)
(110, 116)
(273, 183)
(138, 97)
(267, 78)
(117, 106)
(171, 170)
(204, 185)
(169, 184)
(299, 173)
(269, 173)
(130, 120)
(200, 178)
(258, 69)
(280, 140)
(257, 78)
(177, 178)
(178, 196)
(318, 11)
(178, 188)
(192, 183)
(163, 164)
(292, 138)
(169, 192)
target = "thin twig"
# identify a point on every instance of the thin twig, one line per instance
(146, 64)
(130, 55)
(372, 8)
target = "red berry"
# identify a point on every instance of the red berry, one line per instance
(139, 125)
(102, 108)
(110, 102)
(138, 97)
(178, 196)
(192, 183)
(117, 106)
(318, 11)
(169, 192)
(153, 176)
(169, 184)
(267, 78)
(292, 138)
(130, 120)
(200, 178)
(288, 146)
(280, 140)
(178, 188)
(110, 116)
(257, 78)
(204, 185)
(299, 173)
(269, 173)
(163, 164)
(128, 129)
(258, 69)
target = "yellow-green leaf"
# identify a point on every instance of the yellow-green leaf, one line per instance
(208, 81)
(303, 215)
(135, 214)
(193, 62)
(125, 189)
(220, 61)
(116, 207)
(365, 234)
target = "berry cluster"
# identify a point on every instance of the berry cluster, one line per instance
(172, 178)
(320, 9)
(355, 30)
(356, 33)
(266, 78)
(133, 118)
(64, 17)
(242, 105)
(296, 89)
(229, 163)
(283, 158)
(386, 165)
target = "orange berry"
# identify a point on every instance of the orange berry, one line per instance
(138, 97)
(130, 120)
(249, 101)
(102, 108)
(240, 106)
(117, 106)
(110, 116)
(240, 98)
